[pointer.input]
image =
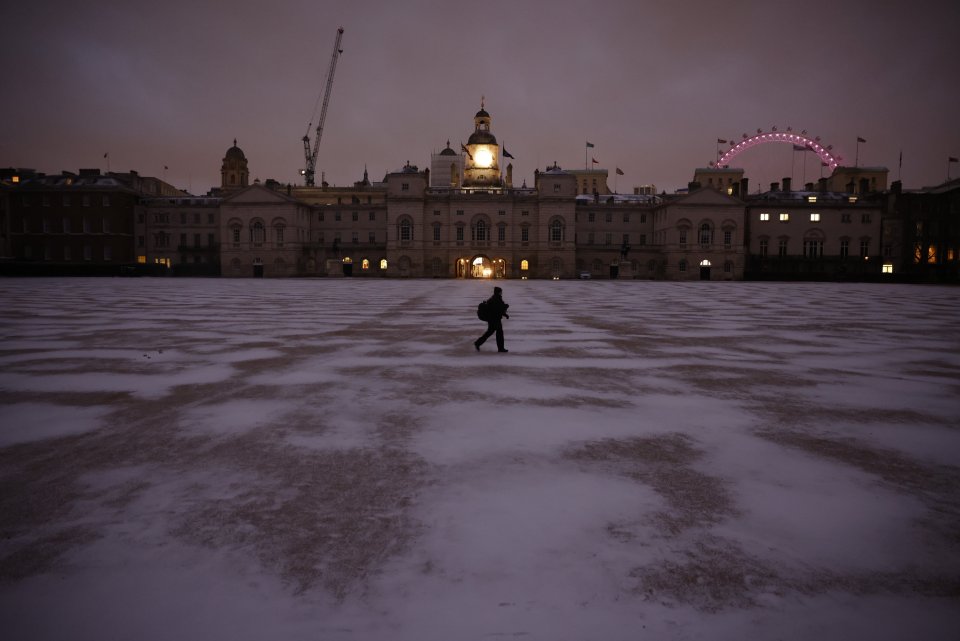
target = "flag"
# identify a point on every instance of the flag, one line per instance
(721, 141)
(165, 168)
(589, 145)
(901, 158)
(106, 154)
(799, 148)
(595, 161)
(952, 159)
(506, 154)
(619, 171)
(859, 139)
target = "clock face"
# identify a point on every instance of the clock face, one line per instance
(483, 157)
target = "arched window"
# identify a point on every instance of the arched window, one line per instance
(383, 263)
(556, 231)
(365, 264)
(706, 234)
(256, 233)
(524, 265)
(406, 231)
(278, 235)
(480, 231)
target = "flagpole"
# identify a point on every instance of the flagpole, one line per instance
(856, 161)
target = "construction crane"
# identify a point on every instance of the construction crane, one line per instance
(310, 152)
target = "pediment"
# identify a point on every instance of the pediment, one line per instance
(708, 196)
(257, 194)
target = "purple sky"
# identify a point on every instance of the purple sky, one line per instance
(652, 85)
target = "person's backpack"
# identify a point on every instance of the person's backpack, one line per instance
(482, 311)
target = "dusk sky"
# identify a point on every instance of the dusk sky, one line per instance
(651, 85)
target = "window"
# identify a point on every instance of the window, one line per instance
(107, 252)
(556, 231)
(556, 188)
(609, 217)
(865, 218)
(643, 218)
(236, 234)
(524, 265)
(183, 218)
(502, 233)
(887, 268)
(356, 216)
(405, 187)
(355, 238)
(765, 216)
(706, 234)
(683, 237)
(210, 240)
(782, 247)
(727, 239)
(365, 264)
(764, 247)
(87, 252)
(608, 239)
(865, 248)
(336, 216)
(257, 234)
(811, 199)
(784, 218)
(525, 234)
(183, 240)
(373, 216)
(141, 241)
(320, 217)
(406, 231)
(844, 248)
(590, 239)
(460, 233)
(196, 240)
(459, 212)
(501, 212)
(373, 238)
(480, 232)
(524, 213)
(592, 216)
(626, 217)
(643, 239)
(210, 220)
(278, 235)
(814, 218)
(682, 266)
(436, 212)
(812, 248)
(844, 218)
(436, 232)
(383, 263)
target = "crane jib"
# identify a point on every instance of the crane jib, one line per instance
(310, 151)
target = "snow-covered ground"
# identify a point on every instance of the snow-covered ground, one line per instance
(331, 459)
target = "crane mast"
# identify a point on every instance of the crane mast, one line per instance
(310, 151)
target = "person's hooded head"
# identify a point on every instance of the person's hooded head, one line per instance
(497, 291)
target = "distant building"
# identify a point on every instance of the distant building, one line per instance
(179, 236)
(921, 235)
(75, 223)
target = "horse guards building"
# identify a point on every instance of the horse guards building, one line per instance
(464, 217)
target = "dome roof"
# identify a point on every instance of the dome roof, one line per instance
(482, 113)
(448, 151)
(482, 138)
(235, 152)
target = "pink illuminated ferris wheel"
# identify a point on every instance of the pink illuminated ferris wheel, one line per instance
(800, 141)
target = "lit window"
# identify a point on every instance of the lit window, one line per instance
(365, 264)
(811, 199)
(852, 199)
(814, 218)
(887, 268)
(524, 265)
(764, 216)
(784, 218)
(383, 263)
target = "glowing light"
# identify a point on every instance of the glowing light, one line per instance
(483, 157)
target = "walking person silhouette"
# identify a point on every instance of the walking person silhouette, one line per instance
(496, 310)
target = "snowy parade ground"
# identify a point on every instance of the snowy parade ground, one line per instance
(331, 459)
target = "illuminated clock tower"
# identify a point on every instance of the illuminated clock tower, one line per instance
(482, 168)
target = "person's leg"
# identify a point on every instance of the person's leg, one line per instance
(499, 330)
(490, 330)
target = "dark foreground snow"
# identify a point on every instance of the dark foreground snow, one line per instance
(331, 459)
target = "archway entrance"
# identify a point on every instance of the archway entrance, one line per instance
(348, 266)
(481, 266)
(704, 270)
(257, 268)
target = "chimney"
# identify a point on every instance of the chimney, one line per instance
(896, 187)
(864, 185)
(851, 186)
(744, 184)
(808, 187)
(735, 187)
(786, 183)
(774, 186)
(822, 184)
(693, 186)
